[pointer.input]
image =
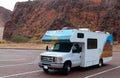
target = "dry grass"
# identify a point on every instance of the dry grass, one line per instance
(116, 47)
(24, 45)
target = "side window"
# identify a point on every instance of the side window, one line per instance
(91, 43)
(80, 35)
(76, 48)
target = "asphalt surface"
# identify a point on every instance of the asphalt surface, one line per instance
(15, 63)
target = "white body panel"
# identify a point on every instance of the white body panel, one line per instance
(92, 56)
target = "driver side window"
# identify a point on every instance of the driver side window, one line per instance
(76, 48)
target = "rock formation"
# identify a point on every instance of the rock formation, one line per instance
(4, 16)
(33, 18)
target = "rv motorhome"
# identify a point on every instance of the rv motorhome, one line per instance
(76, 47)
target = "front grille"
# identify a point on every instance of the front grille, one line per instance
(46, 59)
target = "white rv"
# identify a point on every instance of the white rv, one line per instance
(76, 47)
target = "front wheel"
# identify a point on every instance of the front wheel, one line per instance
(45, 70)
(66, 69)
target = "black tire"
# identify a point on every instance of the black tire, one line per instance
(67, 68)
(45, 70)
(100, 63)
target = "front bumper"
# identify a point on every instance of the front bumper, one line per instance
(51, 65)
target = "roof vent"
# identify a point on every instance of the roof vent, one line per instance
(65, 28)
(100, 32)
(85, 29)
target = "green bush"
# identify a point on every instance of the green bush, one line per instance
(19, 39)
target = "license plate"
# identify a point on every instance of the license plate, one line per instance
(45, 67)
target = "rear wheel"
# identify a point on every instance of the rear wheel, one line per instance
(100, 63)
(67, 68)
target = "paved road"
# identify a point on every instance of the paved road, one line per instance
(16, 63)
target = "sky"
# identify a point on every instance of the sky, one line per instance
(9, 4)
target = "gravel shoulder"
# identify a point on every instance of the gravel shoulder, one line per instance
(24, 46)
(116, 48)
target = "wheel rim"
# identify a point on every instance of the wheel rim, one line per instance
(100, 64)
(68, 68)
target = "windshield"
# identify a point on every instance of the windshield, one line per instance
(62, 47)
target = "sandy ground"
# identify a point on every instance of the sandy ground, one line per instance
(116, 47)
(25, 45)
(38, 46)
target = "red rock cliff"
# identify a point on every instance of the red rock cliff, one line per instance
(4, 15)
(32, 19)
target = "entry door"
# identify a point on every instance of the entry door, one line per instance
(76, 51)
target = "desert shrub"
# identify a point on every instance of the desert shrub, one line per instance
(35, 41)
(115, 43)
(2, 41)
(19, 39)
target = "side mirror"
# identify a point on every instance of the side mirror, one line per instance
(47, 48)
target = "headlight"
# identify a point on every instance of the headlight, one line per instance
(59, 60)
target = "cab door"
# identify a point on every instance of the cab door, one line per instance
(76, 54)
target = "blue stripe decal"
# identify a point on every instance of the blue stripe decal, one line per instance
(57, 35)
(110, 39)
